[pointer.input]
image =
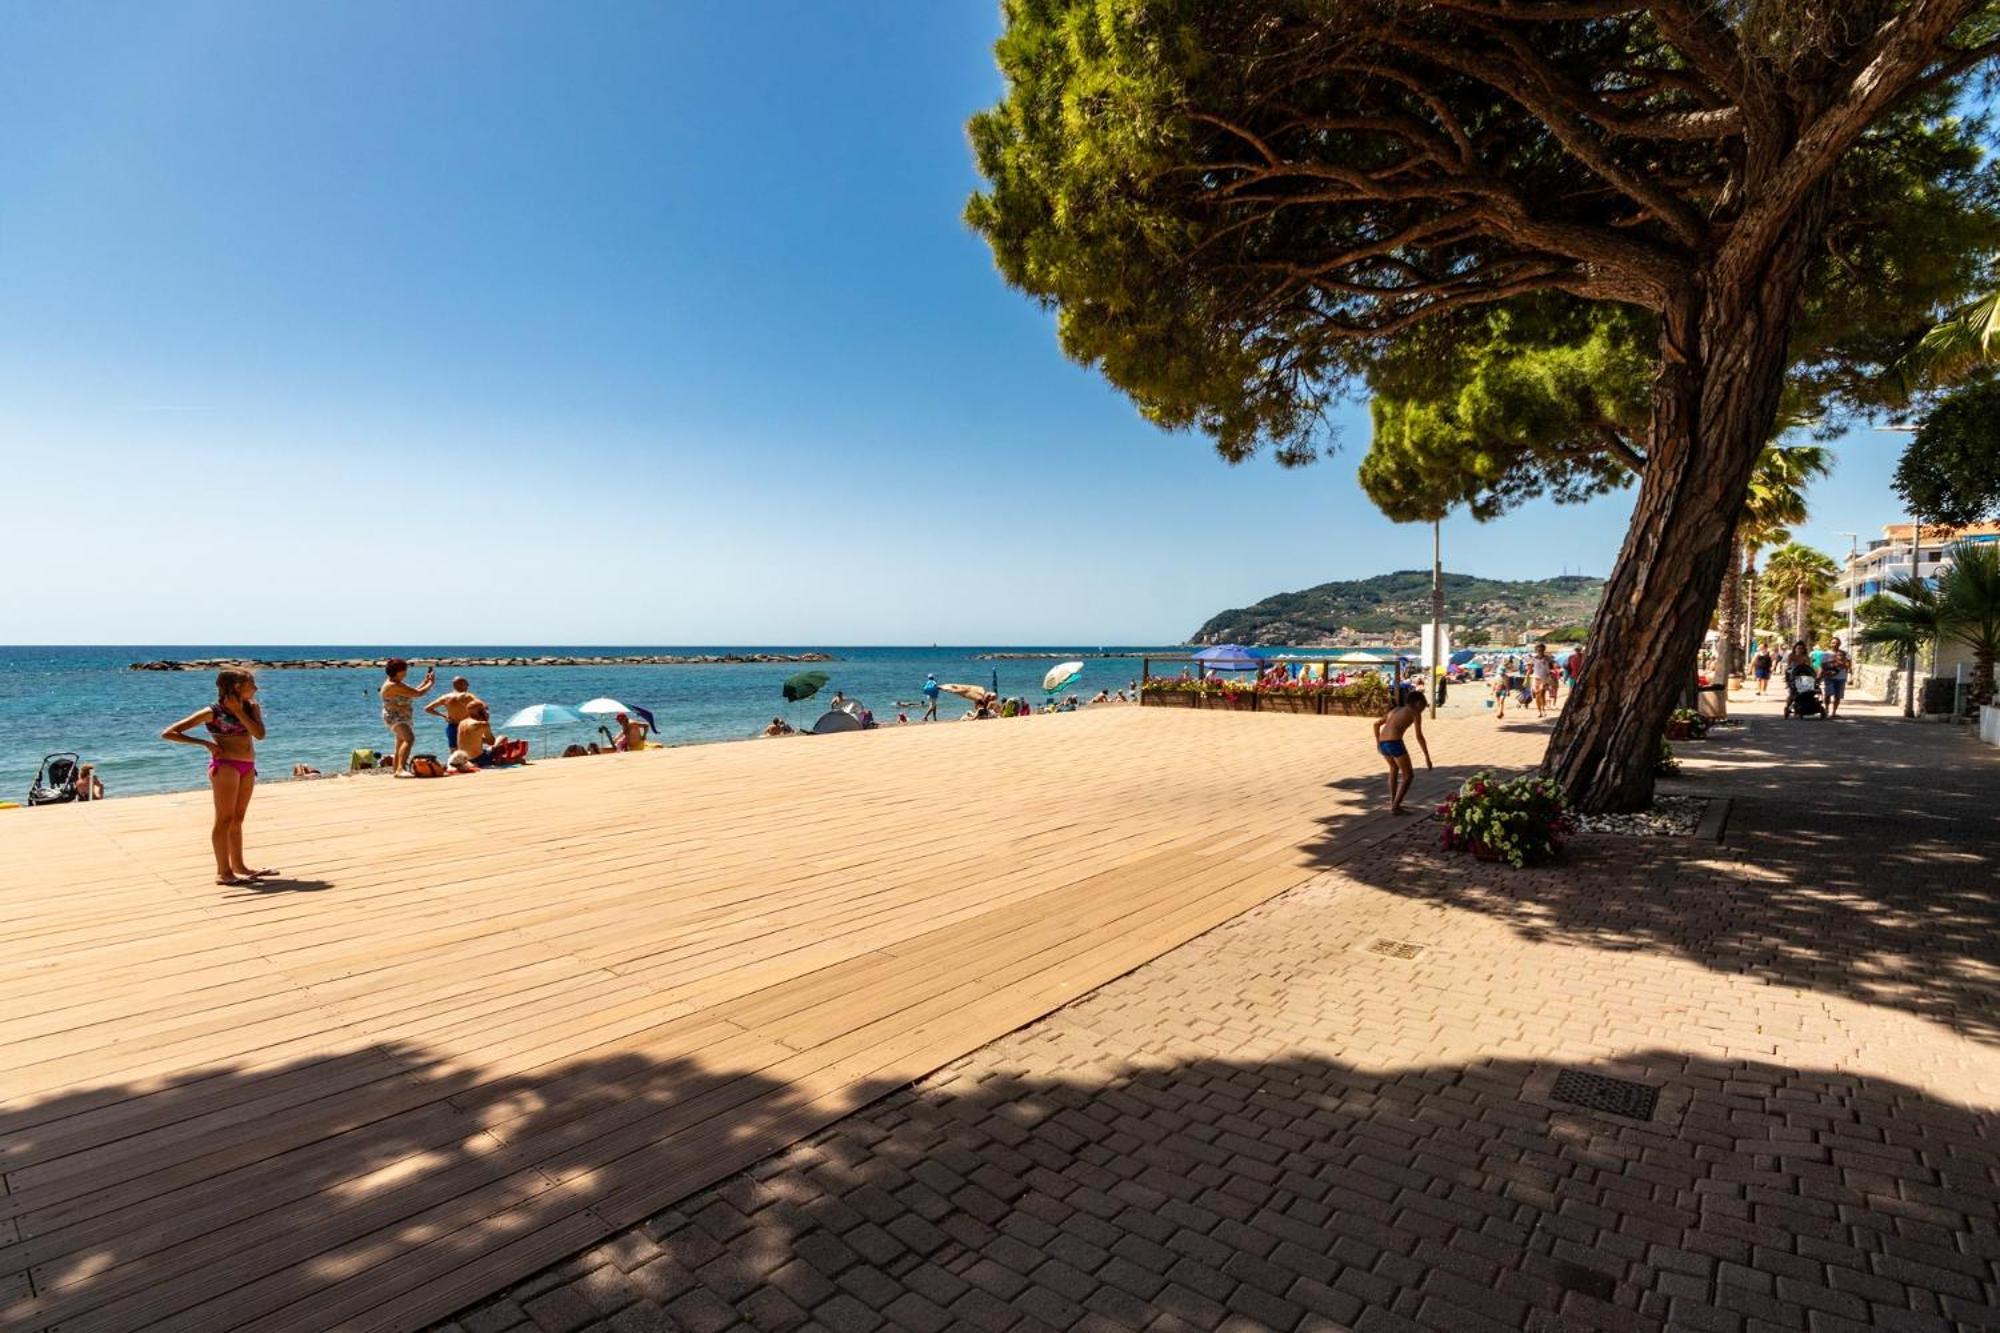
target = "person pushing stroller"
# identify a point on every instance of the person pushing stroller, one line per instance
(1802, 696)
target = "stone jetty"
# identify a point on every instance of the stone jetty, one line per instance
(375, 663)
(1068, 657)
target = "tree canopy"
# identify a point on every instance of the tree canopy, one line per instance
(1548, 395)
(1240, 205)
(1950, 471)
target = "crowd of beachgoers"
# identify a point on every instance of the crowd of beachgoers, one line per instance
(230, 728)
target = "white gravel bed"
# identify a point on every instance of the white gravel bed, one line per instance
(1671, 816)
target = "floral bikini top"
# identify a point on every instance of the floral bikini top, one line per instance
(222, 722)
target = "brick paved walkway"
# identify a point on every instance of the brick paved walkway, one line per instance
(1275, 1127)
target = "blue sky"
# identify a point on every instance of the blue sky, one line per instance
(620, 323)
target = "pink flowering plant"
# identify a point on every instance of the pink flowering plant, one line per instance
(1522, 821)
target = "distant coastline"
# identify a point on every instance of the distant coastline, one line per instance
(351, 663)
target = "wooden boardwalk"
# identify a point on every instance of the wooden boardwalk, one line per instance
(486, 1021)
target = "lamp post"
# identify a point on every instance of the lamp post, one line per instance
(1853, 552)
(1437, 615)
(1910, 662)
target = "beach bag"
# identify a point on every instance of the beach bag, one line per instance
(426, 766)
(360, 760)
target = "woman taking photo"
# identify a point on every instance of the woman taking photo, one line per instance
(396, 700)
(236, 724)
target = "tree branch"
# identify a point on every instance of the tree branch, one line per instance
(1894, 61)
(1530, 81)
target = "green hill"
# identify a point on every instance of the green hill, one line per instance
(1391, 606)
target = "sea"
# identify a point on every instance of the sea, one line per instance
(88, 699)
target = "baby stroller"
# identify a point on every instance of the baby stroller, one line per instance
(55, 781)
(1802, 698)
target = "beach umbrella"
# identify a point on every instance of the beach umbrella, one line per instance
(972, 692)
(1230, 657)
(1061, 676)
(605, 706)
(543, 715)
(804, 685)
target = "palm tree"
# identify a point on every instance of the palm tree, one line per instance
(1964, 339)
(1776, 501)
(1798, 573)
(1908, 617)
(1969, 598)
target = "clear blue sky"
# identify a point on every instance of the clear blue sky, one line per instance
(627, 323)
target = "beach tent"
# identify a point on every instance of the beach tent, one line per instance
(836, 719)
(1230, 657)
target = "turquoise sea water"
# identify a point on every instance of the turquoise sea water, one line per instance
(87, 699)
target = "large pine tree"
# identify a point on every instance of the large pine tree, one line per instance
(1240, 208)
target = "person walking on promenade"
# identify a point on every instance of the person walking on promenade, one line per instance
(1407, 715)
(1833, 669)
(1542, 668)
(396, 701)
(235, 724)
(1760, 666)
(454, 707)
(930, 698)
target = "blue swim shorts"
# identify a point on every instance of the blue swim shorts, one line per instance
(1393, 749)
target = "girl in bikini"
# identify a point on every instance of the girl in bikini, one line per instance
(236, 724)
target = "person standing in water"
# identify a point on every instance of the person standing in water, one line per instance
(454, 707)
(396, 700)
(235, 723)
(1408, 715)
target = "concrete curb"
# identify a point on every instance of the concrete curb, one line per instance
(1714, 820)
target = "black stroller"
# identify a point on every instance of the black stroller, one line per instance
(1802, 698)
(55, 781)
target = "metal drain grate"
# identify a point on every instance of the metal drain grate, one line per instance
(1614, 1096)
(1396, 948)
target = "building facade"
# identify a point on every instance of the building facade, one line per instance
(1871, 570)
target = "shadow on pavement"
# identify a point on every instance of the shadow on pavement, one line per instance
(1859, 861)
(378, 1186)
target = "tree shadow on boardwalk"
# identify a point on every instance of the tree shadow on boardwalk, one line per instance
(1460, 1195)
(1859, 861)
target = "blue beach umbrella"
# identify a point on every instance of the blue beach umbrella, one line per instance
(543, 715)
(1230, 657)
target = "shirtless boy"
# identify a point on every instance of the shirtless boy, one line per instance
(1405, 716)
(454, 708)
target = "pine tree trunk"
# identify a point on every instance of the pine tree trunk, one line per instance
(1732, 612)
(1715, 400)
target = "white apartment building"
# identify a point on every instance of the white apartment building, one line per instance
(1870, 570)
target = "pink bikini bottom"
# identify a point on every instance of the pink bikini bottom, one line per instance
(244, 767)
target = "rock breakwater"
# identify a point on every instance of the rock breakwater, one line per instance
(453, 663)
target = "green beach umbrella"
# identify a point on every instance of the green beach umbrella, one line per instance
(804, 685)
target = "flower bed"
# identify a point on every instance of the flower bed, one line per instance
(1522, 821)
(1366, 695)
